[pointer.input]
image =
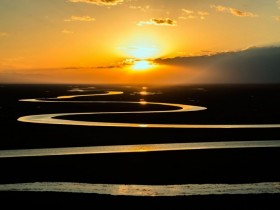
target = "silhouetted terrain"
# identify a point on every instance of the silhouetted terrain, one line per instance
(226, 104)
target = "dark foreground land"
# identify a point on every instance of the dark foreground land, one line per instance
(184, 167)
(82, 201)
(226, 105)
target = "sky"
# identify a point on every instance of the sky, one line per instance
(134, 41)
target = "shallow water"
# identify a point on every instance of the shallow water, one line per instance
(146, 190)
(53, 118)
(137, 148)
(137, 190)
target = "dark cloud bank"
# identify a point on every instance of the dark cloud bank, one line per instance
(254, 65)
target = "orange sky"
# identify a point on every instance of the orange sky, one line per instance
(93, 41)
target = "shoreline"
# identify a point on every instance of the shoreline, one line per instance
(146, 190)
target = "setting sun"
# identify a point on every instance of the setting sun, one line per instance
(125, 41)
(150, 94)
(142, 65)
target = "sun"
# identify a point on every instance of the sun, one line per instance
(132, 64)
(140, 54)
(142, 65)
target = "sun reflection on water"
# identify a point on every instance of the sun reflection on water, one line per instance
(144, 93)
(143, 102)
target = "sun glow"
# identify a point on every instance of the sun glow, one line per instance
(144, 52)
(142, 47)
(142, 65)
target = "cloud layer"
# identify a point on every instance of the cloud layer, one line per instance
(80, 18)
(233, 11)
(99, 2)
(190, 14)
(158, 22)
(254, 65)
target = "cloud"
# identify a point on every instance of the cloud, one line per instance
(116, 65)
(188, 17)
(67, 32)
(202, 13)
(142, 8)
(80, 18)
(93, 67)
(3, 34)
(253, 65)
(123, 63)
(107, 67)
(99, 2)
(190, 14)
(277, 18)
(188, 11)
(158, 22)
(233, 11)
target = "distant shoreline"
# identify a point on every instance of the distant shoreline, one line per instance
(146, 190)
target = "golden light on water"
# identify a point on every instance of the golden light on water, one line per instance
(143, 93)
(143, 102)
